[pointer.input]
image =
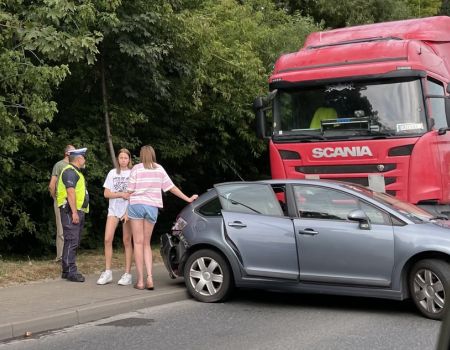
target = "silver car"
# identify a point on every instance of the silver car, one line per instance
(310, 236)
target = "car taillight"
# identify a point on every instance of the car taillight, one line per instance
(178, 226)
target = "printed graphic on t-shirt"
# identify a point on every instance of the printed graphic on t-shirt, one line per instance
(120, 184)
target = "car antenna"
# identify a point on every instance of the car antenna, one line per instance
(233, 169)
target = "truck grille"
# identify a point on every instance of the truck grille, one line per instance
(325, 170)
(363, 181)
(346, 169)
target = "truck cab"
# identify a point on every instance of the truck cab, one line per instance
(367, 104)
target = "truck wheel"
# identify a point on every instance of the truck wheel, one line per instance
(429, 286)
(207, 276)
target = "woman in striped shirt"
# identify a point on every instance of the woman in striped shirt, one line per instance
(146, 181)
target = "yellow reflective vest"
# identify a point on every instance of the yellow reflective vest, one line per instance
(80, 190)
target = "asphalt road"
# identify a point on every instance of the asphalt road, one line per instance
(253, 320)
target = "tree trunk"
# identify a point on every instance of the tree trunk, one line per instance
(106, 113)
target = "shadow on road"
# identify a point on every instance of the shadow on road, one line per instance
(324, 301)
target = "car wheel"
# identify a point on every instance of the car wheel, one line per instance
(207, 276)
(429, 286)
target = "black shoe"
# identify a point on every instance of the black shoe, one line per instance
(64, 275)
(76, 278)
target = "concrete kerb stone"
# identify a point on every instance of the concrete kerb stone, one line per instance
(6, 331)
(46, 323)
(108, 309)
(91, 313)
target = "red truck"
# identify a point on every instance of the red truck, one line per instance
(367, 104)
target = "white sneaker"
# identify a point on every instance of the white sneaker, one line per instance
(125, 280)
(105, 277)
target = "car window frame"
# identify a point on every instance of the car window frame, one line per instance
(253, 184)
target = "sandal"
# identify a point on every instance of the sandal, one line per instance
(136, 286)
(149, 284)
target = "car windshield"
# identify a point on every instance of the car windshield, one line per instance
(382, 108)
(411, 211)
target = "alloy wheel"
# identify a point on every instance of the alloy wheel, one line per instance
(429, 291)
(206, 276)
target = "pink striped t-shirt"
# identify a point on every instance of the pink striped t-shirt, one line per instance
(146, 185)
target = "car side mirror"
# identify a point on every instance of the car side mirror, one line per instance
(360, 216)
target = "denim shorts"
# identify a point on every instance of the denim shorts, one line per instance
(143, 211)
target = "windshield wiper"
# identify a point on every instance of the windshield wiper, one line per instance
(381, 133)
(232, 201)
(300, 137)
(439, 217)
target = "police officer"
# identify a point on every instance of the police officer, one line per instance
(73, 203)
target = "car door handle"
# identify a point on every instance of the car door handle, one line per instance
(308, 231)
(236, 224)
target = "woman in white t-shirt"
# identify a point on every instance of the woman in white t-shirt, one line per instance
(116, 191)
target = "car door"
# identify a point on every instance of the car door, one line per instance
(256, 229)
(334, 250)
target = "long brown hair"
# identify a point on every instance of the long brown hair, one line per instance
(148, 157)
(130, 163)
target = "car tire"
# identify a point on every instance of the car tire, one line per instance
(429, 287)
(207, 276)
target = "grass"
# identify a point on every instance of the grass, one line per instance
(15, 271)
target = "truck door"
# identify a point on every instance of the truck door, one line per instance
(435, 91)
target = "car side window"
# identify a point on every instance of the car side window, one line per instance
(315, 202)
(211, 208)
(376, 216)
(256, 198)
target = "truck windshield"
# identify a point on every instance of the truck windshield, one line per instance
(387, 107)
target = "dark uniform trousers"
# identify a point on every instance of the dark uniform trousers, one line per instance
(72, 237)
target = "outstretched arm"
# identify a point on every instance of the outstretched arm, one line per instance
(177, 192)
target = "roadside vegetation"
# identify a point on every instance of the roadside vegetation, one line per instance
(20, 270)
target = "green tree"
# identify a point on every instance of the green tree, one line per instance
(37, 42)
(445, 8)
(181, 76)
(424, 8)
(342, 13)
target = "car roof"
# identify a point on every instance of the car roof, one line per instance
(321, 182)
(347, 187)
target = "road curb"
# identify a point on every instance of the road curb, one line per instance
(89, 313)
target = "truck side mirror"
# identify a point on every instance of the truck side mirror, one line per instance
(443, 131)
(447, 108)
(260, 116)
(258, 103)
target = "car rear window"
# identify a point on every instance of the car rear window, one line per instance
(211, 208)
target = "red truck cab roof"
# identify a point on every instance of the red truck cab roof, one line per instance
(435, 29)
(370, 49)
